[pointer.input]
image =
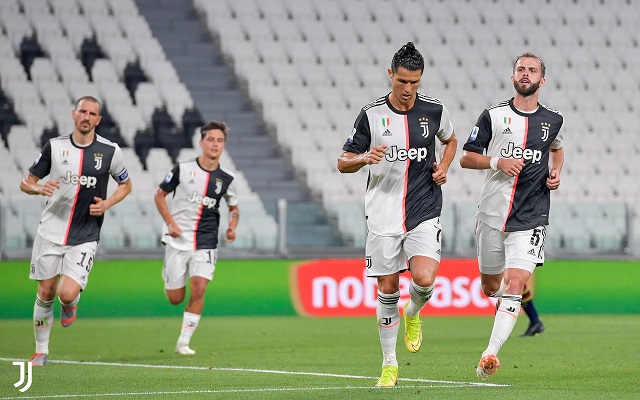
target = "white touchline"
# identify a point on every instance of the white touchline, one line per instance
(440, 383)
(213, 391)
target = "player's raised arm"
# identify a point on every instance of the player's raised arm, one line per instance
(557, 160)
(234, 218)
(510, 166)
(349, 162)
(440, 170)
(160, 198)
(30, 185)
(100, 206)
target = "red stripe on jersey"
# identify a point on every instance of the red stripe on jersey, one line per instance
(406, 178)
(515, 180)
(75, 198)
(195, 228)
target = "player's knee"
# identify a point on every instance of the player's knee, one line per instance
(490, 288)
(388, 288)
(47, 289)
(175, 297)
(46, 293)
(197, 291)
(424, 280)
(67, 296)
(175, 300)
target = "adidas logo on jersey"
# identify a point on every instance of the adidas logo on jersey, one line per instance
(507, 131)
(532, 252)
(387, 133)
(65, 162)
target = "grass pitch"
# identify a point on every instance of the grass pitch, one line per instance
(306, 358)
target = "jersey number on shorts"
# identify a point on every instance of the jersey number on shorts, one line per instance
(538, 235)
(535, 237)
(89, 263)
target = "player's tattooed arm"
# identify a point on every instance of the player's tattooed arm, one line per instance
(351, 162)
(234, 218)
(30, 185)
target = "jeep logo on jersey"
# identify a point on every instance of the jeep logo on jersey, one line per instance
(396, 154)
(88, 181)
(518, 152)
(204, 200)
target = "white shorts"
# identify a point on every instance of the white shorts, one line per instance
(49, 259)
(180, 265)
(387, 255)
(498, 250)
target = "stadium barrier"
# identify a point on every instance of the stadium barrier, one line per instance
(581, 230)
(126, 288)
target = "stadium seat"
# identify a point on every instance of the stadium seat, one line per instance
(320, 61)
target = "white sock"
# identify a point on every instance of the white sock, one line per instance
(419, 297)
(189, 325)
(388, 318)
(42, 320)
(504, 322)
(73, 303)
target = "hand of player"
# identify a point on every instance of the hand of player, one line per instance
(510, 166)
(439, 174)
(98, 208)
(231, 235)
(48, 188)
(174, 230)
(553, 181)
(376, 154)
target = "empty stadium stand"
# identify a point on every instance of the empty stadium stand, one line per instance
(215, 91)
(290, 77)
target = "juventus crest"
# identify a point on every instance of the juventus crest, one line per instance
(98, 160)
(424, 124)
(545, 130)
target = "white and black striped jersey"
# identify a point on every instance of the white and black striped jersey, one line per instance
(84, 174)
(195, 202)
(401, 193)
(522, 202)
